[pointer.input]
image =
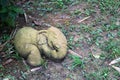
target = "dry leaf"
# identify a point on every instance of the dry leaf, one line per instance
(114, 61)
(8, 61)
(116, 68)
(67, 79)
(96, 56)
(96, 52)
(38, 23)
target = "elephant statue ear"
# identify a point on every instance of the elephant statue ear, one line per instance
(56, 37)
(57, 41)
(41, 39)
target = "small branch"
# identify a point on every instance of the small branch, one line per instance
(32, 70)
(83, 19)
(35, 69)
(24, 62)
(74, 53)
(26, 19)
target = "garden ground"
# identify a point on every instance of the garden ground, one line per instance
(92, 30)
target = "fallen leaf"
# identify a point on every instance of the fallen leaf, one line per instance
(41, 23)
(96, 56)
(8, 61)
(67, 79)
(38, 23)
(6, 79)
(96, 52)
(116, 68)
(114, 61)
(118, 22)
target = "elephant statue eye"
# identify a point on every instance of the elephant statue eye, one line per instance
(55, 47)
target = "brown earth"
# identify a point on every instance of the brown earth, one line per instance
(62, 70)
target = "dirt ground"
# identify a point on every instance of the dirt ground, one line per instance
(79, 40)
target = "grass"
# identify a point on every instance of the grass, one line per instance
(71, 42)
(9, 48)
(44, 7)
(107, 27)
(1, 68)
(106, 6)
(77, 62)
(98, 75)
(10, 77)
(86, 28)
(112, 47)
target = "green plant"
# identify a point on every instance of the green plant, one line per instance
(11, 53)
(109, 6)
(118, 33)
(77, 12)
(9, 48)
(89, 11)
(10, 77)
(106, 27)
(76, 62)
(8, 12)
(112, 47)
(96, 36)
(102, 74)
(71, 42)
(16, 56)
(1, 67)
(65, 32)
(62, 3)
(45, 64)
(86, 28)
(23, 75)
(106, 6)
(4, 38)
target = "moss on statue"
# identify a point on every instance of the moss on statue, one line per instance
(31, 43)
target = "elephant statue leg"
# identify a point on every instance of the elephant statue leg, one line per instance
(34, 58)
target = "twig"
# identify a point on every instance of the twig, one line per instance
(26, 19)
(24, 62)
(74, 53)
(83, 19)
(32, 70)
(35, 69)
